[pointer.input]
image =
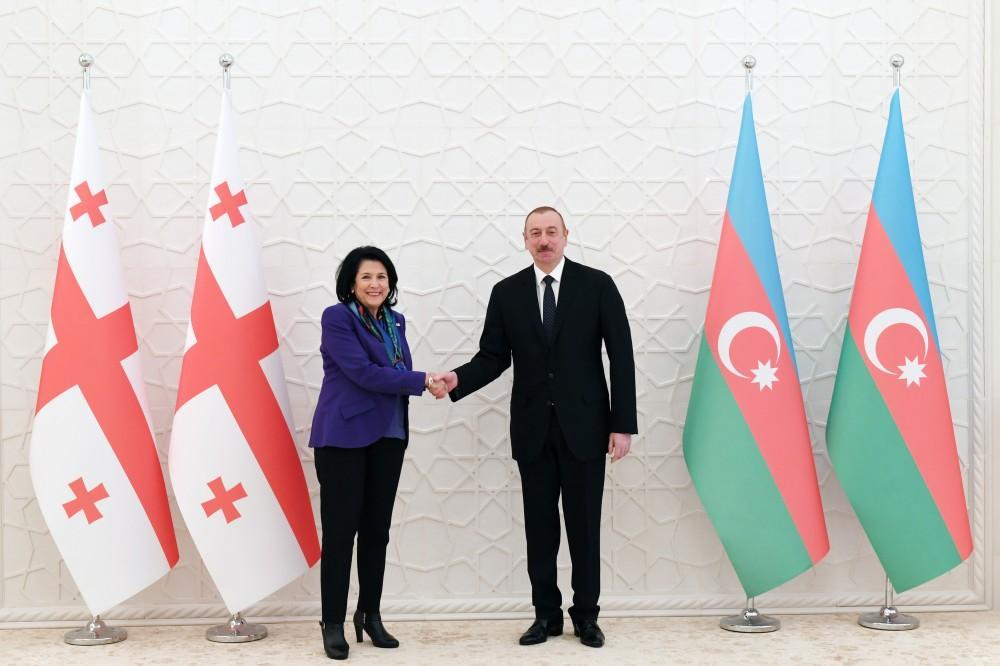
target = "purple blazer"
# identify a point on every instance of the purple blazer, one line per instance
(360, 387)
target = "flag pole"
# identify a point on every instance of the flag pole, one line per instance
(86, 61)
(888, 618)
(237, 629)
(896, 61)
(749, 62)
(96, 632)
(226, 61)
(749, 620)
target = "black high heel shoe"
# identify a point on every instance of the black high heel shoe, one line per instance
(371, 624)
(333, 640)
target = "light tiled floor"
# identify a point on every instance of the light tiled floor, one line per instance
(943, 638)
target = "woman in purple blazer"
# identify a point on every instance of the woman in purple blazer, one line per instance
(359, 433)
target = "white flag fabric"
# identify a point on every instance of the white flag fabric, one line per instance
(236, 472)
(93, 459)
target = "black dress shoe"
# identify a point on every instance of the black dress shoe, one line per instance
(333, 640)
(540, 630)
(590, 634)
(371, 623)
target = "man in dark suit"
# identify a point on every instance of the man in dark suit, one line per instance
(551, 318)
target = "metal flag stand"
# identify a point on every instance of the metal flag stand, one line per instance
(749, 620)
(96, 632)
(237, 630)
(888, 618)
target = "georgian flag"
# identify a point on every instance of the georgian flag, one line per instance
(235, 469)
(93, 460)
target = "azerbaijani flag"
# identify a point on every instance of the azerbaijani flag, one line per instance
(746, 441)
(890, 432)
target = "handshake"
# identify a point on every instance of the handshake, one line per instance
(440, 383)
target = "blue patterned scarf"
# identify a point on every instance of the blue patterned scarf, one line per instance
(392, 346)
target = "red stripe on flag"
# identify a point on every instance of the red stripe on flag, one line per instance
(228, 353)
(776, 416)
(89, 354)
(919, 406)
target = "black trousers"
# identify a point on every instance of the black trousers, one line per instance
(581, 483)
(357, 488)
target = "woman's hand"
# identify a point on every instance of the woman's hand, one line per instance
(439, 385)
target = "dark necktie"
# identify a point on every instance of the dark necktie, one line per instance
(548, 307)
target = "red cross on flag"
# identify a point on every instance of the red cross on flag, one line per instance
(93, 460)
(236, 472)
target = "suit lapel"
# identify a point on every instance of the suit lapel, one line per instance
(569, 287)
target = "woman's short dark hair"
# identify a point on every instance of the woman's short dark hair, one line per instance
(347, 272)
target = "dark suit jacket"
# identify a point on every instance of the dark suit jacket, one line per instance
(568, 375)
(360, 387)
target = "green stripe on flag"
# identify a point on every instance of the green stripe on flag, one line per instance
(882, 481)
(736, 486)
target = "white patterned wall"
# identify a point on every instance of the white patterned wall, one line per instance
(430, 128)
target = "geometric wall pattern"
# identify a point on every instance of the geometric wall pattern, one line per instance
(430, 129)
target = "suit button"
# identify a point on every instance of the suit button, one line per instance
(552, 403)
(552, 375)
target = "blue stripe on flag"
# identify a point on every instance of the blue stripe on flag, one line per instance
(893, 201)
(747, 207)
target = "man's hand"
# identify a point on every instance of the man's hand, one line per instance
(450, 380)
(619, 444)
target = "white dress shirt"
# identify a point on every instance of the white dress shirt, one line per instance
(540, 286)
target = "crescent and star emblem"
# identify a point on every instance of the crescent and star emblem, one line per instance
(764, 375)
(911, 371)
